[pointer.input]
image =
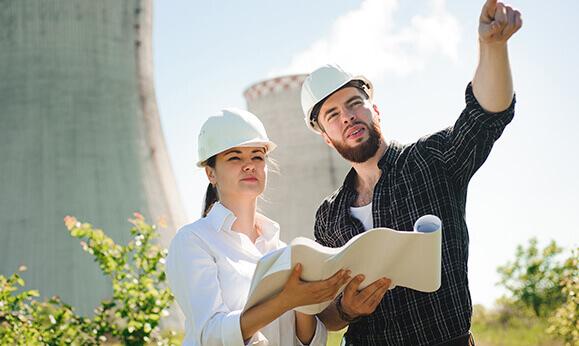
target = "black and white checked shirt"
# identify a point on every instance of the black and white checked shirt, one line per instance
(427, 177)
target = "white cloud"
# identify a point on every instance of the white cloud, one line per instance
(365, 40)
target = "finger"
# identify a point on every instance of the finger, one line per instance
(327, 289)
(376, 298)
(352, 287)
(346, 278)
(509, 28)
(489, 8)
(336, 278)
(519, 20)
(371, 289)
(501, 14)
(488, 31)
(296, 273)
(516, 22)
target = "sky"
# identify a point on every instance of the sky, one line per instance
(420, 55)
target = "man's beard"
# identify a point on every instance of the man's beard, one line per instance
(364, 151)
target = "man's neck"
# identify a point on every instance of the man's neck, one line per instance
(368, 172)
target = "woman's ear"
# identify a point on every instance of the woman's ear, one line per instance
(210, 172)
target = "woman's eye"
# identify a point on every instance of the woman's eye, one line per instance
(233, 158)
(259, 158)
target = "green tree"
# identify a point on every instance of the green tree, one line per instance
(533, 279)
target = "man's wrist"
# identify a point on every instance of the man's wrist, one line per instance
(492, 46)
(343, 315)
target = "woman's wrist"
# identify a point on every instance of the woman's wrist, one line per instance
(282, 302)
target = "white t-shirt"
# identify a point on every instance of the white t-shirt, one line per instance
(364, 214)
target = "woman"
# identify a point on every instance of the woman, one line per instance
(211, 261)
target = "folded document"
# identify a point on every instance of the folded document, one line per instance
(409, 259)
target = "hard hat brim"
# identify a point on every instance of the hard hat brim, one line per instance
(268, 145)
(313, 124)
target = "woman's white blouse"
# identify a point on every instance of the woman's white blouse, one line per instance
(210, 267)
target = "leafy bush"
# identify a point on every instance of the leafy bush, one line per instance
(25, 321)
(140, 296)
(565, 321)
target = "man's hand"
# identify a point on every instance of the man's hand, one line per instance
(498, 22)
(361, 303)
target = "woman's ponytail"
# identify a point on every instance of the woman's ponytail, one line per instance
(211, 195)
(210, 199)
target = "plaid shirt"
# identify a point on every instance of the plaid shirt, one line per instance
(427, 177)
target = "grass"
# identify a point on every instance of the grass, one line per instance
(520, 335)
(494, 335)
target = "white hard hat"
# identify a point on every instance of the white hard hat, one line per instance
(228, 129)
(322, 83)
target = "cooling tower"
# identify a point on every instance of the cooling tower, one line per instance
(79, 135)
(309, 170)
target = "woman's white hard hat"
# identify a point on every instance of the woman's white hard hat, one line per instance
(322, 83)
(231, 128)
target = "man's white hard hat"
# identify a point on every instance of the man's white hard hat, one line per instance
(322, 83)
(231, 128)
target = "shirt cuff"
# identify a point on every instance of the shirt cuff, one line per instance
(231, 331)
(489, 119)
(257, 339)
(231, 328)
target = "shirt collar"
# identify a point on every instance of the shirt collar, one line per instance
(390, 156)
(220, 218)
(388, 160)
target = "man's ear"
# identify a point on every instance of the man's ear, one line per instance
(210, 172)
(377, 111)
(327, 140)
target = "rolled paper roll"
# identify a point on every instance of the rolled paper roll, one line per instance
(427, 224)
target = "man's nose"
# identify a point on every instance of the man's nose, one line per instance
(347, 115)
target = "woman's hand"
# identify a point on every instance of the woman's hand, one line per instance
(297, 292)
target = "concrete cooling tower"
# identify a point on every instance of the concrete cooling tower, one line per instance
(309, 170)
(79, 135)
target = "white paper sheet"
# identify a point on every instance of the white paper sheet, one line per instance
(409, 259)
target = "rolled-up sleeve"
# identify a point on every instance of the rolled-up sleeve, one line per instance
(464, 147)
(192, 274)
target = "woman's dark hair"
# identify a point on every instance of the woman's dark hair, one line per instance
(211, 194)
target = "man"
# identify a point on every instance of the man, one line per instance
(392, 185)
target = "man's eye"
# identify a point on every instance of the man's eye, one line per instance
(355, 103)
(332, 115)
(233, 158)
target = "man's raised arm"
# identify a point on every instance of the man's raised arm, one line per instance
(492, 83)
